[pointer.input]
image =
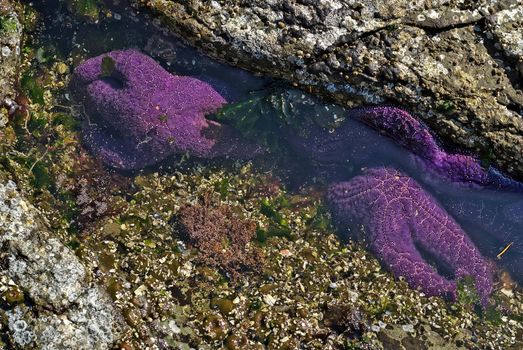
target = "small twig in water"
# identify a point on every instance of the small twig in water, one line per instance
(38, 160)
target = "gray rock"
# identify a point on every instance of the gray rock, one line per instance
(507, 27)
(68, 311)
(456, 65)
(10, 42)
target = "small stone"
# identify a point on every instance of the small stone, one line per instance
(6, 51)
(140, 290)
(13, 295)
(269, 300)
(62, 68)
(174, 328)
(408, 328)
(285, 252)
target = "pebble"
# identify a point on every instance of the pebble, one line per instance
(6, 51)
(269, 300)
(408, 328)
(62, 68)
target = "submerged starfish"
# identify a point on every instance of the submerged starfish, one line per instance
(140, 113)
(412, 134)
(400, 217)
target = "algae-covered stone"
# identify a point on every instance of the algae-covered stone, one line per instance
(68, 311)
(453, 64)
(10, 43)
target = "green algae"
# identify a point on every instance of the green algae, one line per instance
(222, 187)
(108, 66)
(87, 9)
(467, 294)
(9, 24)
(445, 106)
(32, 88)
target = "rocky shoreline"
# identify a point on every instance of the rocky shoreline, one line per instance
(10, 46)
(49, 299)
(457, 67)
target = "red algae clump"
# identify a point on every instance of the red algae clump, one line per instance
(221, 236)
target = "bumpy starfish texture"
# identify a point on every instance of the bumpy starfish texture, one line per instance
(140, 113)
(399, 217)
(412, 134)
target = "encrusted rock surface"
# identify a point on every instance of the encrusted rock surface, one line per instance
(10, 42)
(48, 300)
(457, 65)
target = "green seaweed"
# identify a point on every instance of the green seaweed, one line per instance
(68, 121)
(108, 66)
(467, 294)
(320, 220)
(37, 125)
(41, 55)
(222, 187)
(270, 210)
(278, 226)
(32, 88)
(445, 106)
(86, 8)
(41, 177)
(487, 157)
(8, 24)
(391, 27)
(73, 244)
(492, 315)
(254, 118)
(266, 113)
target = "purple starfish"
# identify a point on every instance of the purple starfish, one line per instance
(140, 113)
(413, 135)
(399, 216)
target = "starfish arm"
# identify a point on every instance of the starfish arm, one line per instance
(118, 152)
(400, 216)
(436, 232)
(400, 126)
(395, 248)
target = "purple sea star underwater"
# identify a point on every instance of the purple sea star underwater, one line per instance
(140, 114)
(327, 146)
(399, 216)
(412, 134)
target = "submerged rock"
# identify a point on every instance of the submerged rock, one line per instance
(140, 114)
(62, 309)
(456, 66)
(400, 217)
